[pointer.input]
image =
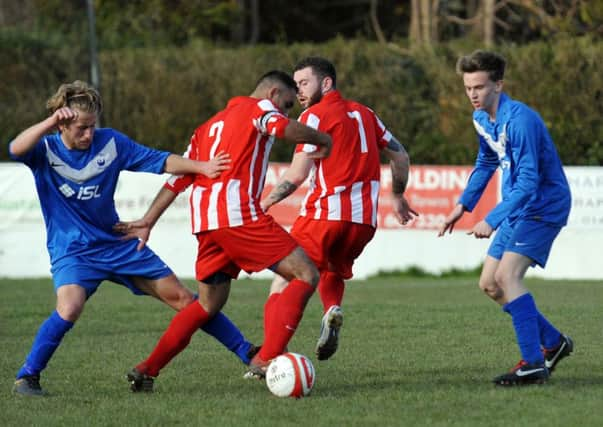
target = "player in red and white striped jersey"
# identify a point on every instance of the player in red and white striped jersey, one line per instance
(338, 216)
(232, 230)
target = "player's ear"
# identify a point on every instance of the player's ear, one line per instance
(273, 92)
(326, 84)
(499, 85)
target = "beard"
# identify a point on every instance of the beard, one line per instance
(314, 98)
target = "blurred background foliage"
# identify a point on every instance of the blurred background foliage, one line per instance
(166, 66)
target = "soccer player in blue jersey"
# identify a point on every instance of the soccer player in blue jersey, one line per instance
(535, 206)
(76, 171)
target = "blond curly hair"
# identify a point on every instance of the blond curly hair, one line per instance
(77, 95)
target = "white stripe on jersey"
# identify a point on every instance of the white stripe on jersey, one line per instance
(323, 192)
(233, 203)
(96, 166)
(356, 199)
(374, 198)
(312, 121)
(334, 203)
(267, 148)
(312, 186)
(196, 196)
(212, 209)
(254, 157)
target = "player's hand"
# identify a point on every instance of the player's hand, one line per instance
(481, 230)
(322, 151)
(63, 115)
(214, 167)
(451, 220)
(402, 210)
(139, 229)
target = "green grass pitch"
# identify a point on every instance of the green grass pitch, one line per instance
(413, 352)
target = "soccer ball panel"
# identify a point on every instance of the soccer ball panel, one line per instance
(290, 375)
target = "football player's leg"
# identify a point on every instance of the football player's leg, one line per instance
(523, 311)
(183, 326)
(488, 284)
(172, 292)
(303, 278)
(534, 239)
(487, 280)
(276, 288)
(70, 303)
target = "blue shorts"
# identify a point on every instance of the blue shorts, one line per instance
(530, 238)
(118, 263)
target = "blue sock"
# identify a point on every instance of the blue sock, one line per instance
(221, 328)
(524, 313)
(45, 343)
(550, 337)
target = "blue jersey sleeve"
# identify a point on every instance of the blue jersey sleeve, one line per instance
(139, 158)
(485, 166)
(523, 139)
(33, 157)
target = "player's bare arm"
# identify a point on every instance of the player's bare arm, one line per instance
(281, 191)
(296, 133)
(449, 222)
(179, 165)
(26, 140)
(400, 165)
(295, 175)
(141, 229)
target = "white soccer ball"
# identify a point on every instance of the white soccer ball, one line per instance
(290, 375)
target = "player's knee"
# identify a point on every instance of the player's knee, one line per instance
(486, 285)
(70, 311)
(183, 300)
(490, 288)
(310, 274)
(502, 278)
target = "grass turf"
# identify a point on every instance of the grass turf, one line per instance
(413, 351)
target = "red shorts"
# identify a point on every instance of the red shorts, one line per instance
(332, 245)
(251, 247)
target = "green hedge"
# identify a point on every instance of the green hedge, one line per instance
(158, 96)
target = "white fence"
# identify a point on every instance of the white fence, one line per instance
(574, 256)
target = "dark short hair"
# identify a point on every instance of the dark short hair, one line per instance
(320, 66)
(277, 76)
(482, 60)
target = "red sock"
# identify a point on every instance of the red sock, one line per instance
(288, 310)
(175, 338)
(330, 289)
(270, 312)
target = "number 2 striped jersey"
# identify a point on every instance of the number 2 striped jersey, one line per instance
(245, 129)
(345, 185)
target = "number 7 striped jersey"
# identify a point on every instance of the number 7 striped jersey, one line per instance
(345, 185)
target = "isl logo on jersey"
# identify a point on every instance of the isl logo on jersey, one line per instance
(101, 161)
(88, 192)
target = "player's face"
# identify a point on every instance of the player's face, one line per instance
(77, 135)
(481, 91)
(308, 86)
(284, 99)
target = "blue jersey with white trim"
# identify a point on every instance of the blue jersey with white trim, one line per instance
(76, 188)
(534, 185)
